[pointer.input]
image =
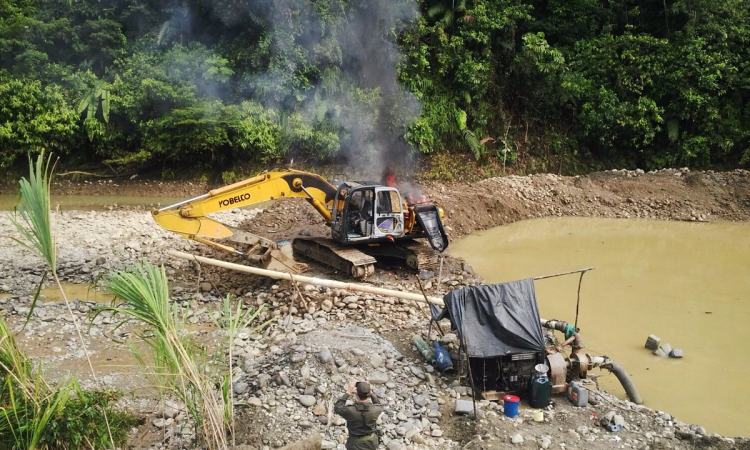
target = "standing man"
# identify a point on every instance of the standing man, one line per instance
(361, 417)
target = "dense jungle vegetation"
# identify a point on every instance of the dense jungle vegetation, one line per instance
(557, 85)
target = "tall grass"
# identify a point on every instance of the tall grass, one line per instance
(177, 365)
(32, 220)
(234, 320)
(34, 415)
(176, 361)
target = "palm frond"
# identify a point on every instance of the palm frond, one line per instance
(31, 217)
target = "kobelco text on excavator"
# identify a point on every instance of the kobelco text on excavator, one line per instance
(367, 220)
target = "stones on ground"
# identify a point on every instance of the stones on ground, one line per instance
(307, 400)
(324, 356)
(653, 341)
(607, 418)
(162, 423)
(659, 352)
(516, 438)
(666, 348)
(449, 338)
(240, 387)
(464, 407)
(319, 410)
(378, 377)
(376, 360)
(415, 436)
(171, 409)
(676, 353)
(394, 445)
(544, 442)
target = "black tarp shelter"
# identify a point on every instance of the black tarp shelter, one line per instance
(494, 320)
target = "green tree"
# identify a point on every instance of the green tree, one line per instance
(33, 117)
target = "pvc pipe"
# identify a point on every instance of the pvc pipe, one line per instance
(612, 366)
(309, 280)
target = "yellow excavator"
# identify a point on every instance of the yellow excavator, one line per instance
(367, 220)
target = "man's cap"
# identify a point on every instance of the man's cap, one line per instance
(363, 389)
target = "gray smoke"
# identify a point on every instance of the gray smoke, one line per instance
(360, 50)
(361, 100)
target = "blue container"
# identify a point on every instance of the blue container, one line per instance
(444, 361)
(510, 405)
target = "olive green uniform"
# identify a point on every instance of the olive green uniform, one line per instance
(361, 420)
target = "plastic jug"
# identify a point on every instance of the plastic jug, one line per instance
(577, 394)
(540, 388)
(444, 362)
(424, 349)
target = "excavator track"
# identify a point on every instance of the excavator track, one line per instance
(349, 260)
(424, 256)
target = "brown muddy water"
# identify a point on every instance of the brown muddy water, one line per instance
(83, 292)
(93, 202)
(688, 283)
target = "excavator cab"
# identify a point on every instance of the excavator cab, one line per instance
(368, 213)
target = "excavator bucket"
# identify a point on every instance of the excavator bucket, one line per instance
(277, 260)
(428, 217)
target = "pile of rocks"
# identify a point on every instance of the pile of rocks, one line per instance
(294, 381)
(654, 344)
(93, 243)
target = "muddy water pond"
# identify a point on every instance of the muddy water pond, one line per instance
(93, 202)
(82, 292)
(688, 283)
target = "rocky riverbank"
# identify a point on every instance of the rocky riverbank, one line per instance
(288, 374)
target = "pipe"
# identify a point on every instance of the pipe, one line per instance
(310, 280)
(603, 362)
(625, 380)
(574, 339)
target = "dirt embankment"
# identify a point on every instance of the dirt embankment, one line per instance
(289, 373)
(667, 195)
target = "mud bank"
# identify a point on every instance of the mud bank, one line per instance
(288, 373)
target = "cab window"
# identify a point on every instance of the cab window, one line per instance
(388, 202)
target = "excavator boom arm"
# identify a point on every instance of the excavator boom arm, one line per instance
(188, 218)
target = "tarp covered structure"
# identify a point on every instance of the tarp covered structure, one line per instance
(495, 320)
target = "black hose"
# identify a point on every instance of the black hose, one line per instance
(625, 381)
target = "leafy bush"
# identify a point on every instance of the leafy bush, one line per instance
(33, 117)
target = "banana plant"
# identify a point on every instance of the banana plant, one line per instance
(90, 102)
